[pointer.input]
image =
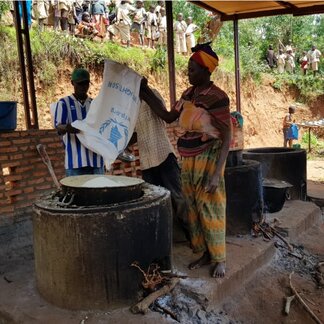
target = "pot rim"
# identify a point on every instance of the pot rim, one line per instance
(79, 181)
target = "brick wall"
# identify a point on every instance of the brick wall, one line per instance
(24, 177)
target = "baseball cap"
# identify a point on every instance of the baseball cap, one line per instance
(79, 75)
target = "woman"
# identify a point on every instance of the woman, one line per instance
(203, 112)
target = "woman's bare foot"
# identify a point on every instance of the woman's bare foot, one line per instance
(205, 259)
(218, 270)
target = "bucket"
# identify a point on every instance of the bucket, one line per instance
(8, 115)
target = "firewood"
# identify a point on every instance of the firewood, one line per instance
(143, 305)
(288, 303)
(275, 232)
(306, 307)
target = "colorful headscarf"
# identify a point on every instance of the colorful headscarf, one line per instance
(205, 56)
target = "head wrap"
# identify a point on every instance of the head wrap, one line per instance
(205, 56)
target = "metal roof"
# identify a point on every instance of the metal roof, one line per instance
(231, 10)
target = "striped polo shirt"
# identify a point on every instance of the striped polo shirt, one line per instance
(67, 110)
(216, 102)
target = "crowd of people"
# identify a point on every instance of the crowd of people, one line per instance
(285, 60)
(108, 19)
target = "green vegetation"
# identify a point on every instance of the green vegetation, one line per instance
(316, 143)
(55, 49)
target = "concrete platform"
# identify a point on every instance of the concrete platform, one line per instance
(21, 303)
(296, 217)
(315, 192)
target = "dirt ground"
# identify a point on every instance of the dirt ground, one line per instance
(263, 299)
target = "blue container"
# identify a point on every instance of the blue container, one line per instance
(8, 115)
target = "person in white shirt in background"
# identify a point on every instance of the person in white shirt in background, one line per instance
(151, 26)
(162, 23)
(314, 57)
(158, 8)
(281, 61)
(290, 61)
(138, 20)
(123, 22)
(190, 37)
(180, 28)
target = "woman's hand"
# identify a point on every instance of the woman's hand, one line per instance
(212, 184)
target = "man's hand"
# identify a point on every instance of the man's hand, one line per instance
(63, 129)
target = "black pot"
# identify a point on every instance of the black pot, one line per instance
(75, 191)
(275, 193)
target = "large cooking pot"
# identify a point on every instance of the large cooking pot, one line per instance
(275, 193)
(89, 190)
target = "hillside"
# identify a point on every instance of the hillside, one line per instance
(263, 108)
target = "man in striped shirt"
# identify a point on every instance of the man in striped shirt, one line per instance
(78, 159)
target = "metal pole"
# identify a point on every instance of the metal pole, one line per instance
(30, 70)
(22, 63)
(170, 47)
(309, 139)
(237, 66)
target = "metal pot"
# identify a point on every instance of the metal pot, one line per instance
(275, 193)
(89, 190)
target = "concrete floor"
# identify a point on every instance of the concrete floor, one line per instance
(21, 303)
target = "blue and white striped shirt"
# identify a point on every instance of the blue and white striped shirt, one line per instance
(67, 110)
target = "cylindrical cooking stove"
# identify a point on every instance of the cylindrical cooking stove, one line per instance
(83, 255)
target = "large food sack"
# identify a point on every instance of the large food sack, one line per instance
(112, 116)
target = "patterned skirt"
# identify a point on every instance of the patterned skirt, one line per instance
(207, 212)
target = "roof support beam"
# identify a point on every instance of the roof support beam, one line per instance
(26, 65)
(170, 48)
(237, 66)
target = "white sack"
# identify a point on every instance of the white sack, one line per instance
(112, 116)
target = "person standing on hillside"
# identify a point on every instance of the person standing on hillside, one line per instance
(138, 21)
(304, 63)
(203, 113)
(123, 22)
(190, 37)
(180, 28)
(290, 61)
(41, 12)
(151, 26)
(61, 13)
(78, 159)
(281, 61)
(162, 27)
(271, 58)
(288, 122)
(99, 11)
(314, 57)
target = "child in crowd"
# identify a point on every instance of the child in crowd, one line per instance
(138, 21)
(151, 26)
(162, 23)
(86, 28)
(180, 28)
(190, 37)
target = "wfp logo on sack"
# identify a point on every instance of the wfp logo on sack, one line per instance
(116, 131)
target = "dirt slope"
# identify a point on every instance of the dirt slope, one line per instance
(263, 108)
